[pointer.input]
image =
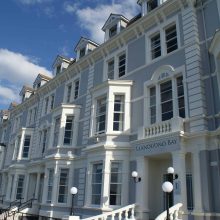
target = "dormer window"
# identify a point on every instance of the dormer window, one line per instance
(38, 85)
(83, 47)
(114, 24)
(58, 69)
(82, 52)
(113, 31)
(152, 4)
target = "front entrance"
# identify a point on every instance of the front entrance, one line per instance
(156, 176)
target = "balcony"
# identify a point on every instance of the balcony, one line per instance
(165, 127)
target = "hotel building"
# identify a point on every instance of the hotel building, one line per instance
(144, 100)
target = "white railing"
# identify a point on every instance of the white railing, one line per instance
(125, 213)
(174, 212)
(164, 127)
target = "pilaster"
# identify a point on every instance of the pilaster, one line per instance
(86, 124)
(193, 69)
(142, 188)
(179, 166)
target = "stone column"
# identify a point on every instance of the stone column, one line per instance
(142, 188)
(197, 187)
(37, 186)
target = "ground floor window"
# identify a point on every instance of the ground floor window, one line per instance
(20, 187)
(63, 186)
(50, 185)
(96, 183)
(189, 191)
(115, 183)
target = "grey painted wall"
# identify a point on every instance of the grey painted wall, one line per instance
(59, 94)
(83, 82)
(132, 185)
(136, 54)
(210, 178)
(98, 72)
(79, 181)
(24, 118)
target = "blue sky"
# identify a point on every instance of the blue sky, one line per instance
(34, 32)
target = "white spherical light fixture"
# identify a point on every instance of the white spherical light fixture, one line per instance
(167, 187)
(134, 174)
(73, 190)
(170, 170)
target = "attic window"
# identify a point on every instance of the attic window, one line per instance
(152, 4)
(58, 69)
(113, 31)
(38, 85)
(82, 52)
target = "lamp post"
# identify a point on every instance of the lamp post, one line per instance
(167, 188)
(73, 191)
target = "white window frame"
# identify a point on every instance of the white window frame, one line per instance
(173, 75)
(121, 112)
(115, 183)
(100, 183)
(161, 29)
(67, 130)
(110, 89)
(66, 186)
(48, 107)
(115, 56)
(18, 187)
(75, 89)
(26, 146)
(50, 185)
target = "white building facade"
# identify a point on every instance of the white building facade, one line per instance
(144, 100)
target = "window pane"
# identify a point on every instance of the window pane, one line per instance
(96, 183)
(151, 4)
(111, 69)
(118, 118)
(115, 183)
(171, 39)
(155, 46)
(121, 65)
(63, 186)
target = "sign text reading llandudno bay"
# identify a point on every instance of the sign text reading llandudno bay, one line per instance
(157, 146)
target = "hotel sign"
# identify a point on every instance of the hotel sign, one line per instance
(149, 147)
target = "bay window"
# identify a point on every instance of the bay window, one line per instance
(26, 147)
(56, 131)
(97, 183)
(101, 115)
(118, 119)
(68, 130)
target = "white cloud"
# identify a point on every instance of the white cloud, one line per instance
(70, 7)
(93, 19)
(8, 95)
(17, 70)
